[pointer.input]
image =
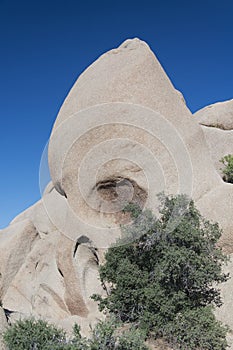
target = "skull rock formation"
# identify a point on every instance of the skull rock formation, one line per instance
(123, 134)
(129, 122)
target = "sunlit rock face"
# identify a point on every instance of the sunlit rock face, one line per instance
(217, 124)
(122, 135)
(218, 115)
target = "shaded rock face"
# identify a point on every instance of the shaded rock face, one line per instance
(122, 135)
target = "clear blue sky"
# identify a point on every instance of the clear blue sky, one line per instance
(45, 45)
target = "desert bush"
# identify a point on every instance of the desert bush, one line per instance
(31, 334)
(161, 280)
(227, 171)
(109, 335)
(163, 271)
(196, 329)
(37, 335)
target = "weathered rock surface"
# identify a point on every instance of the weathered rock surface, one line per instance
(46, 280)
(221, 194)
(124, 107)
(16, 243)
(217, 124)
(124, 78)
(218, 115)
(224, 313)
(220, 143)
(123, 134)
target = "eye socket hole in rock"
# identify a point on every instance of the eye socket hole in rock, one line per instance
(80, 240)
(116, 192)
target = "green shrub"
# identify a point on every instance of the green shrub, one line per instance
(167, 271)
(31, 334)
(161, 279)
(133, 339)
(103, 335)
(196, 329)
(37, 335)
(133, 208)
(228, 168)
(108, 335)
